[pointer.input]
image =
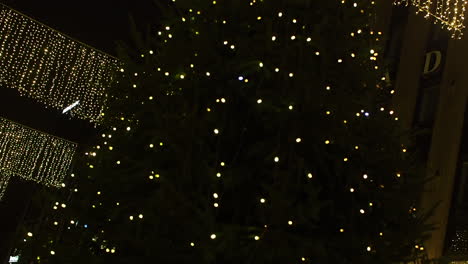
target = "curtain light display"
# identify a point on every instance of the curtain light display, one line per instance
(449, 13)
(51, 68)
(4, 179)
(33, 155)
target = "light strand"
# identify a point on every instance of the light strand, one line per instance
(449, 13)
(4, 179)
(33, 155)
(52, 68)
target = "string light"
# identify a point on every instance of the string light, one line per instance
(449, 13)
(33, 155)
(51, 68)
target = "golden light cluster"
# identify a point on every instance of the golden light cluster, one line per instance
(33, 155)
(51, 68)
(449, 13)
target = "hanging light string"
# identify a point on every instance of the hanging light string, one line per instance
(52, 68)
(449, 13)
(33, 155)
(4, 179)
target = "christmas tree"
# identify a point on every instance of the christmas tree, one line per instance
(245, 132)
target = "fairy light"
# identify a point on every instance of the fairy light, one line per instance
(33, 155)
(52, 68)
(449, 13)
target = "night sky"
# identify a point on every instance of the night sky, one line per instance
(99, 23)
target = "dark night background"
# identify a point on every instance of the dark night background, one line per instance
(98, 23)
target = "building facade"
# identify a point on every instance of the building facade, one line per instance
(430, 75)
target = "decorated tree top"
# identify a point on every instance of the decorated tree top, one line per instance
(247, 132)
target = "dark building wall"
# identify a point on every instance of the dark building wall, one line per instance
(435, 102)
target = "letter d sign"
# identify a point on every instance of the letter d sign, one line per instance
(431, 65)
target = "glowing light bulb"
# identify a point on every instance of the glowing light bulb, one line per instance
(213, 236)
